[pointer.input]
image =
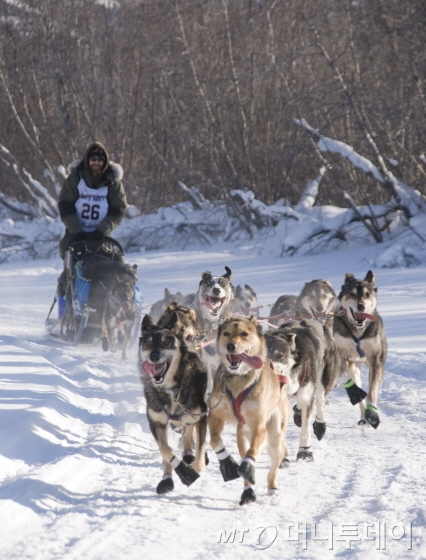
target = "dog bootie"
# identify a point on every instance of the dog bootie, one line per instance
(166, 485)
(105, 344)
(247, 496)
(304, 454)
(285, 463)
(371, 416)
(319, 429)
(186, 473)
(297, 416)
(229, 468)
(246, 470)
(355, 393)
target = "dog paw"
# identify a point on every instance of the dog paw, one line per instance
(186, 473)
(285, 463)
(188, 458)
(166, 485)
(120, 337)
(355, 393)
(247, 496)
(362, 422)
(305, 456)
(105, 344)
(371, 416)
(229, 468)
(297, 416)
(319, 429)
(206, 458)
(246, 470)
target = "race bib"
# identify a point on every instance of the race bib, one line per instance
(91, 206)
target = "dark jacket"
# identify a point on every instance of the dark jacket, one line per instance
(111, 177)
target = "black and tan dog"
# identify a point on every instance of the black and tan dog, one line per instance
(360, 337)
(305, 356)
(174, 381)
(119, 312)
(186, 325)
(247, 392)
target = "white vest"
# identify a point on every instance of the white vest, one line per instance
(91, 206)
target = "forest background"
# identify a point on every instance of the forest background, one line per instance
(211, 93)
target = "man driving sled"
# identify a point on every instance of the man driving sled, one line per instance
(92, 202)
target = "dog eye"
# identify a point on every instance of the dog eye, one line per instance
(226, 333)
(222, 282)
(147, 343)
(244, 334)
(182, 329)
(167, 343)
(353, 296)
(367, 294)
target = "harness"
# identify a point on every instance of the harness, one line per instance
(238, 401)
(175, 394)
(356, 339)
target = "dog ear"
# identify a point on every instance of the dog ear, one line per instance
(193, 315)
(238, 291)
(292, 341)
(228, 274)
(172, 322)
(166, 293)
(205, 275)
(370, 278)
(349, 278)
(147, 323)
(171, 307)
(250, 289)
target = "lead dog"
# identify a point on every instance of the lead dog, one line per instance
(212, 305)
(360, 337)
(174, 381)
(307, 360)
(247, 392)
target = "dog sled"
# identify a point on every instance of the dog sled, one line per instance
(94, 306)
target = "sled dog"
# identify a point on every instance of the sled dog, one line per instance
(317, 300)
(174, 381)
(306, 359)
(186, 324)
(112, 296)
(212, 305)
(247, 392)
(159, 307)
(360, 337)
(245, 301)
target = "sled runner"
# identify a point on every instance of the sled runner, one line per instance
(101, 299)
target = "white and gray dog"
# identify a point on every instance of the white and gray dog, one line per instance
(212, 305)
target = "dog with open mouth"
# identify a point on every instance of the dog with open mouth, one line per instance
(247, 392)
(359, 333)
(212, 305)
(305, 356)
(174, 381)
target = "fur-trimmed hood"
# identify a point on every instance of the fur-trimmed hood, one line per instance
(83, 164)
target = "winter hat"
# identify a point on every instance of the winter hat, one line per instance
(97, 151)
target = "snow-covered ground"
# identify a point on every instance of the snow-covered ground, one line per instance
(79, 467)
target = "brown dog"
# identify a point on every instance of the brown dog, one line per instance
(247, 392)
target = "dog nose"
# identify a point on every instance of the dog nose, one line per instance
(231, 347)
(320, 308)
(154, 357)
(360, 307)
(216, 291)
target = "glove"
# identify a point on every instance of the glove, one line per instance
(97, 234)
(80, 236)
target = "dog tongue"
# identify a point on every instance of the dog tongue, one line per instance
(152, 369)
(253, 361)
(207, 304)
(359, 316)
